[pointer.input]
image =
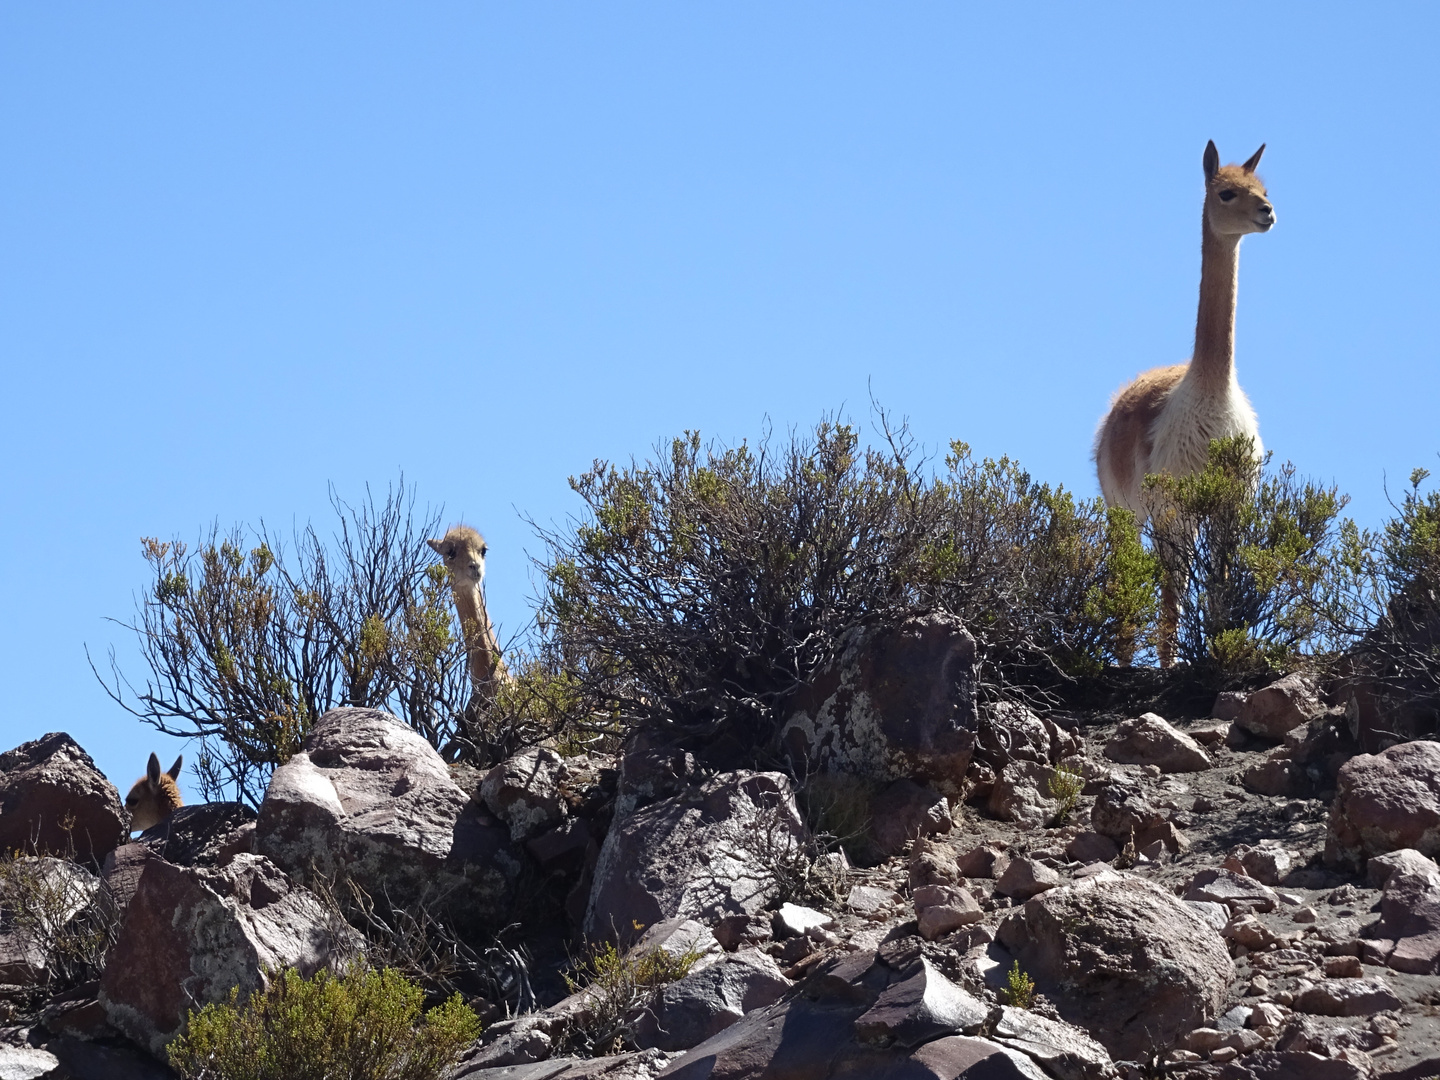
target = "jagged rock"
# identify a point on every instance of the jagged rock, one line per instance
(370, 799)
(27, 1063)
(205, 834)
(1217, 915)
(1228, 704)
(1280, 707)
(1149, 740)
(1236, 891)
(870, 899)
(898, 703)
(1123, 959)
(905, 811)
(1026, 877)
(794, 920)
(1091, 847)
(651, 768)
(1021, 793)
(1249, 931)
(1267, 863)
(1410, 914)
(54, 801)
(943, 908)
(983, 861)
(923, 1007)
(190, 935)
(1121, 808)
(524, 792)
(697, 855)
(1379, 869)
(638, 1065)
(1063, 1050)
(565, 848)
(66, 889)
(706, 1002)
(932, 863)
(1385, 802)
(1276, 775)
(1348, 997)
(734, 931)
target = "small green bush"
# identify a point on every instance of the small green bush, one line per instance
(617, 986)
(1255, 553)
(1019, 987)
(363, 1025)
(1066, 787)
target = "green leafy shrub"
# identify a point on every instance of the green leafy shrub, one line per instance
(1256, 554)
(363, 1025)
(702, 589)
(247, 644)
(1066, 787)
(1019, 987)
(617, 986)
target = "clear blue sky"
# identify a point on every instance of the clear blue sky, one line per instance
(249, 250)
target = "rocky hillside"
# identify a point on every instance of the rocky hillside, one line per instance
(1073, 896)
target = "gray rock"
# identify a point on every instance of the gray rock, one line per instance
(27, 1063)
(696, 855)
(190, 935)
(524, 792)
(704, 1003)
(1149, 740)
(1026, 877)
(1021, 794)
(1348, 997)
(923, 1007)
(1236, 891)
(898, 703)
(54, 801)
(1267, 863)
(1062, 1050)
(1122, 808)
(905, 811)
(1228, 704)
(206, 834)
(1123, 959)
(370, 799)
(1091, 847)
(869, 899)
(1385, 802)
(793, 920)
(940, 909)
(63, 890)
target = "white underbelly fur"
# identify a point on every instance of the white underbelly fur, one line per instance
(1191, 419)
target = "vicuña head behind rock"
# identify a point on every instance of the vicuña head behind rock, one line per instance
(155, 795)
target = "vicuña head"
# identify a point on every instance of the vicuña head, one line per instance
(155, 796)
(1165, 420)
(463, 551)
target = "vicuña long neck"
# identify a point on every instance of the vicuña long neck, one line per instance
(481, 648)
(1214, 359)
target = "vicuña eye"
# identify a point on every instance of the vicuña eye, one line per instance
(1226, 196)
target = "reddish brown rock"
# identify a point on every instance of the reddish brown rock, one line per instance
(1348, 997)
(898, 703)
(1276, 775)
(983, 861)
(1122, 809)
(1123, 959)
(1026, 877)
(939, 909)
(1149, 740)
(1266, 862)
(1385, 802)
(54, 801)
(190, 935)
(1280, 707)
(1091, 847)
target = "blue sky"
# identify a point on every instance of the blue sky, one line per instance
(251, 250)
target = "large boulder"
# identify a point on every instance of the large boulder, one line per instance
(189, 935)
(1123, 959)
(524, 792)
(708, 1001)
(707, 853)
(898, 702)
(205, 834)
(1280, 707)
(1385, 802)
(1149, 740)
(370, 800)
(54, 801)
(56, 891)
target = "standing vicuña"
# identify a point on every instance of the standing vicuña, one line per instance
(1164, 421)
(155, 796)
(463, 551)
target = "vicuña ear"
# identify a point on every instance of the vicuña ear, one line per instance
(174, 772)
(437, 546)
(152, 770)
(1212, 161)
(1250, 165)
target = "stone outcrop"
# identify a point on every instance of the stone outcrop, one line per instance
(1149, 740)
(1122, 958)
(1385, 802)
(905, 811)
(706, 1002)
(1280, 707)
(370, 800)
(54, 801)
(898, 703)
(190, 935)
(702, 855)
